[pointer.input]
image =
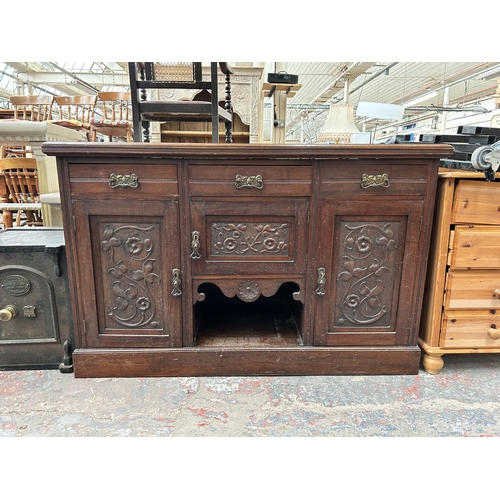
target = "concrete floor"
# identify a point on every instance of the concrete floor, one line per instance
(463, 400)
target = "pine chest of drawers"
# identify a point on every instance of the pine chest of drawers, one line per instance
(461, 311)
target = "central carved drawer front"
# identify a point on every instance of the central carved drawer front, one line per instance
(475, 247)
(250, 180)
(246, 238)
(119, 182)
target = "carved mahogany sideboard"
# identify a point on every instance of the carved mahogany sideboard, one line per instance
(246, 259)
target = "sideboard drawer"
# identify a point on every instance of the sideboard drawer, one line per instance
(250, 180)
(470, 329)
(98, 181)
(374, 177)
(470, 289)
(474, 247)
(476, 203)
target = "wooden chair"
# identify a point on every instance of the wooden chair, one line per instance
(115, 118)
(35, 108)
(150, 75)
(75, 112)
(21, 179)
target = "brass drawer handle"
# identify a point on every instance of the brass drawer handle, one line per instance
(496, 293)
(369, 180)
(176, 283)
(321, 281)
(249, 181)
(494, 333)
(195, 245)
(123, 180)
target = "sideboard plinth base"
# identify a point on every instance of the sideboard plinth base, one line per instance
(201, 362)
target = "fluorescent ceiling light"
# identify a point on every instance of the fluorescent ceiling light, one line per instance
(380, 110)
(421, 98)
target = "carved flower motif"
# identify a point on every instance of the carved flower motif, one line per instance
(352, 301)
(143, 303)
(363, 244)
(135, 245)
(248, 290)
(270, 244)
(230, 244)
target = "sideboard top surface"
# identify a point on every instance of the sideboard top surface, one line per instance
(275, 151)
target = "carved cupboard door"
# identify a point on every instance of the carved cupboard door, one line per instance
(129, 273)
(258, 238)
(367, 265)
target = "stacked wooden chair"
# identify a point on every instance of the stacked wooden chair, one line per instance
(114, 118)
(23, 195)
(164, 76)
(75, 112)
(34, 108)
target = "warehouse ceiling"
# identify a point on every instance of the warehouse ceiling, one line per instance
(464, 84)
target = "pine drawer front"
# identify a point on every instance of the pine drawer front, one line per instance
(470, 329)
(475, 247)
(123, 181)
(476, 202)
(472, 290)
(250, 180)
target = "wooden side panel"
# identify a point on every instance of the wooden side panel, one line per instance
(432, 311)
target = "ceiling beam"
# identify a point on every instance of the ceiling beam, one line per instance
(38, 74)
(96, 80)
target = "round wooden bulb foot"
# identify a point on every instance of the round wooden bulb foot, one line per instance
(432, 363)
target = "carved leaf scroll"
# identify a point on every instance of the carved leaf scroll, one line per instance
(369, 263)
(134, 286)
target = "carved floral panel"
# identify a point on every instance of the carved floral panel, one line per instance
(367, 268)
(132, 285)
(250, 238)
